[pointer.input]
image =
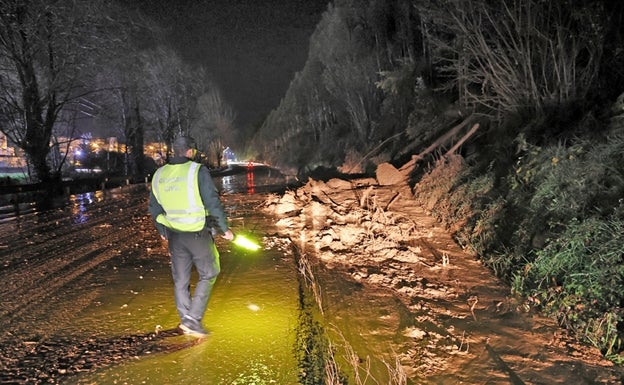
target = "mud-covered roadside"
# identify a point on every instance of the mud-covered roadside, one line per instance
(55, 263)
(466, 327)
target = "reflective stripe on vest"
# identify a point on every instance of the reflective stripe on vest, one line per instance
(176, 188)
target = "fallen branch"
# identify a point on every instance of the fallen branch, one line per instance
(371, 152)
(406, 168)
(474, 129)
(394, 198)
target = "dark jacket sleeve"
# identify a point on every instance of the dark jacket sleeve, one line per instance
(155, 209)
(210, 197)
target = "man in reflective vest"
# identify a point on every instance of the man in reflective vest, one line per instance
(185, 206)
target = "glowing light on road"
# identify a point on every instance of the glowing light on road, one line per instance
(245, 243)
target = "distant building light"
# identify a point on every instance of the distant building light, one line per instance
(89, 170)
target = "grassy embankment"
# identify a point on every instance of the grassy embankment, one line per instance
(548, 218)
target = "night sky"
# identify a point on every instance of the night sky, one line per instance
(252, 48)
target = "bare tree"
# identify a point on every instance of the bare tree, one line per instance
(123, 96)
(47, 52)
(173, 91)
(154, 93)
(214, 125)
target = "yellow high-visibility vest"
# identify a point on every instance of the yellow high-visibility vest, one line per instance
(176, 188)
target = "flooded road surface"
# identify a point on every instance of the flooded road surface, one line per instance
(251, 178)
(250, 316)
(87, 298)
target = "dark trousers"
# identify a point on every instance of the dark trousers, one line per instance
(188, 250)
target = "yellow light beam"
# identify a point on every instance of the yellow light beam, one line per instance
(246, 243)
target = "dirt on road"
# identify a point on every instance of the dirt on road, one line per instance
(467, 328)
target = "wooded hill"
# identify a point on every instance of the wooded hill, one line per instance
(518, 106)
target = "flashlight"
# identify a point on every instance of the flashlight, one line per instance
(245, 243)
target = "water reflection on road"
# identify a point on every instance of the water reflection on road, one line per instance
(79, 204)
(250, 316)
(251, 179)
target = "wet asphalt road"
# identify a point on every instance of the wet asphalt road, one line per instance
(55, 263)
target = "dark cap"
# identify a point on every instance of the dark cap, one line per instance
(183, 143)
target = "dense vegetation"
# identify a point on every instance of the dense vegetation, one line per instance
(538, 189)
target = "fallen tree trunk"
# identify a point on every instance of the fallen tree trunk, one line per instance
(464, 138)
(444, 139)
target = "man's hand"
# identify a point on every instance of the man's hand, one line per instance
(229, 235)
